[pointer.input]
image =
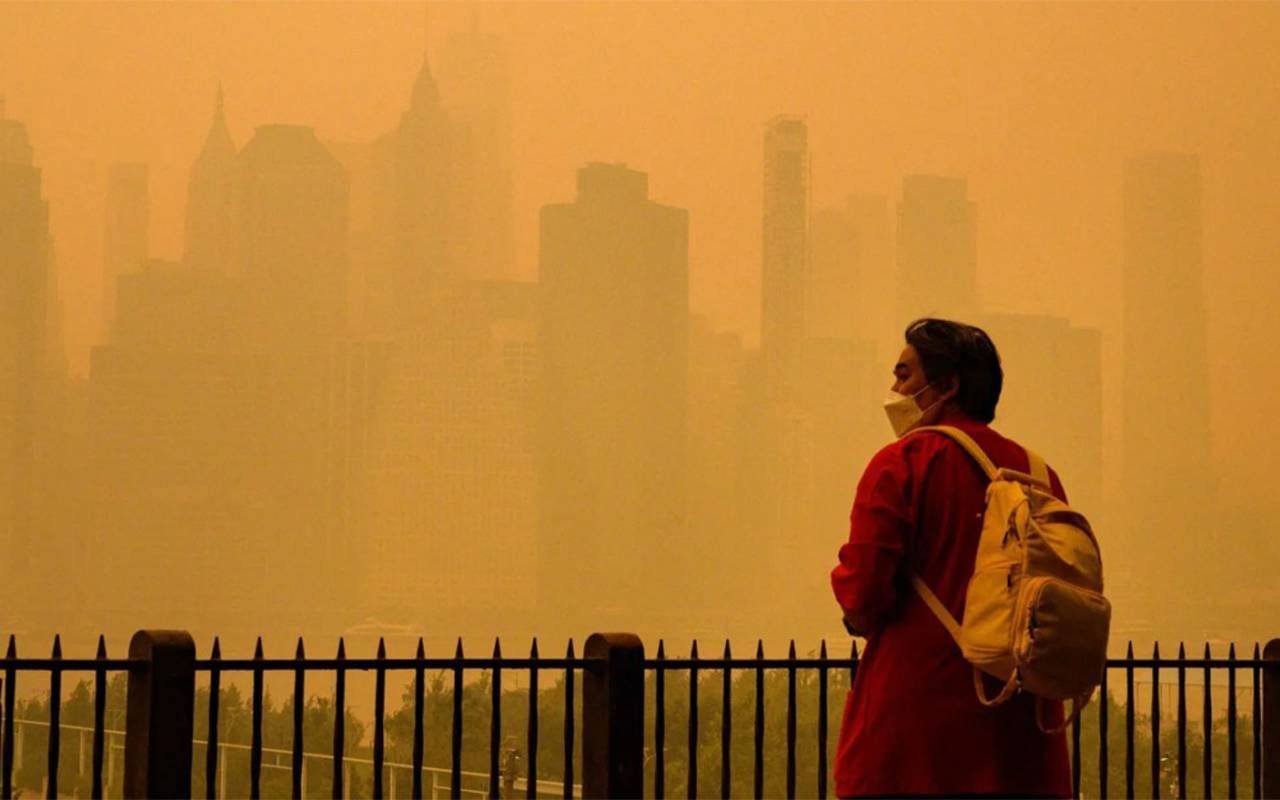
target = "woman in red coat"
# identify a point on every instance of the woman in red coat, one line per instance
(912, 721)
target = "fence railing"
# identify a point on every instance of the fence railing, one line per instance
(616, 759)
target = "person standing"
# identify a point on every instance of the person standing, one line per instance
(913, 724)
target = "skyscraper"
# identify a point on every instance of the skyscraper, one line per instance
(834, 276)
(290, 244)
(1168, 475)
(877, 277)
(290, 252)
(475, 74)
(418, 202)
(785, 255)
(1065, 427)
(24, 265)
(209, 194)
(125, 244)
(937, 250)
(613, 268)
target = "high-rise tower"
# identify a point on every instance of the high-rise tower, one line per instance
(128, 221)
(785, 255)
(614, 278)
(937, 250)
(1168, 478)
(475, 74)
(24, 268)
(209, 192)
(418, 207)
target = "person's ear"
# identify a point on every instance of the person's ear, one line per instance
(951, 389)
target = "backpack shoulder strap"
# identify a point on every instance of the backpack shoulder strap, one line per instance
(935, 605)
(1039, 470)
(971, 447)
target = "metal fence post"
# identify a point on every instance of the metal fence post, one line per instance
(159, 719)
(1271, 719)
(613, 716)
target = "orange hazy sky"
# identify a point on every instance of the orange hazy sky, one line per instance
(1036, 104)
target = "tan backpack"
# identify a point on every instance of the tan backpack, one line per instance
(1034, 614)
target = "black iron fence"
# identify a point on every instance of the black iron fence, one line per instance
(617, 735)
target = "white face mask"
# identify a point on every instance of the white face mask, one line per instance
(904, 412)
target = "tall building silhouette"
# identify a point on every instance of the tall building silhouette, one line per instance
(290, 242)
(173, 406)
(418, 211)
(1168, 475)
(24, 277)
(475, 73)
(785, 253)
(835, 275)
(450, 533)
(209, 197)
(876, 318)
(1065, 427)
(290, 253)
(125, 244)
(613, 271)
(937, 250)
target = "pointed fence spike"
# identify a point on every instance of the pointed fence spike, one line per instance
(217, 648)
(853, 649)
(57, 645)
(1182, 650)
(759, 648)
(342, 647)
(791, 653)
(382, 648)
(693, 651)
(822, 650)
(457, 651)
(726, 650)
(1231, 651)
(13, 648)
(300, 653)
(661, 652)
(102, 646)
(533, 649)
(1208, 654)
(1257, 651)
(422, 652)
(569, 654)
(1130, 650)
(497, 648)
(1155, 651)
(257, 649)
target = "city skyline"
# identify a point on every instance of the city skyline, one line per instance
(425, 226)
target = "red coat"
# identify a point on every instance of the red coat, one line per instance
(912, 722)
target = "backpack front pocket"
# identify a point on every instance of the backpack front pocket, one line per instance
(1060, 638)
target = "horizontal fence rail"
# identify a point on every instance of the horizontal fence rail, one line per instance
(1161, 726)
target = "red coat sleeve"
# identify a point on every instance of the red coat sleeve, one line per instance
(868, 580)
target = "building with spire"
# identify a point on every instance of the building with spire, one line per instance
(418, 235)
(475, 73)
(207, 245)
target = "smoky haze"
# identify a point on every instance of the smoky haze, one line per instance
(544, 318)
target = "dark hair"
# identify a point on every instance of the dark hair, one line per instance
(953, 349)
